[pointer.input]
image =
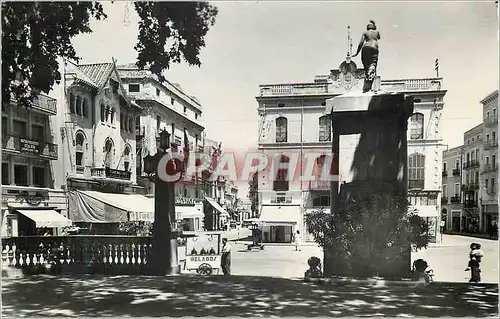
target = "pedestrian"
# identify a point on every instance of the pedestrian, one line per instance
(226, 257)
(298, 241)
(474, 264)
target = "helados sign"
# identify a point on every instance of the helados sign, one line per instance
(203, 258)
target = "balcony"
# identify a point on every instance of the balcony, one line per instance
(491, 121)
(490, 144)
(281, 198)
(404, 85)
(470, 204)
(489, 168)
(319, 185)
(444, 200)
(106, 172)
(456, 172)
(470, 187)
(455, 199)
(43, 103)
(29, 147)
(471, 164)
(444, 174)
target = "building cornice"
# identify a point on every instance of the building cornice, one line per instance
(490, 97)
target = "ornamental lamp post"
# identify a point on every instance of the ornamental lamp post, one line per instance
(163, 259)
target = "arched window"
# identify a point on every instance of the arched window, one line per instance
(72, 103)
(112, 115)
(321, 201)
(103, 112)
(417, 126)
(78, 105)
(108, 112)
(185, 192)
(130, 124)
(416, 171)
(126, 158)
(108, 153)
(80, 141)
(281, 183)
(281, 130)
(325, 129)
(85, 107)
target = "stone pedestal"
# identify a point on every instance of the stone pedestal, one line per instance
(369, 147)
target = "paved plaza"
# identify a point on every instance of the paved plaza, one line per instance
(264, 283)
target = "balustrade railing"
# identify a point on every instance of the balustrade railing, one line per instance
(78, 254)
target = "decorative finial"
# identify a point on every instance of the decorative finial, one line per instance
(349, 41)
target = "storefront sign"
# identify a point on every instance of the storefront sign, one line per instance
(27, 146)
(203, 258)
(30, 198)
(185, 201)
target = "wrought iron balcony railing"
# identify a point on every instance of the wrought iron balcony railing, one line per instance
(471, 164)
(490, 144)
(456, 172)
(444, 174)
(491, 121)
(106, 172)
(455, 199)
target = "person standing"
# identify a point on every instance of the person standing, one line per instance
(226, 257)
(298, 241)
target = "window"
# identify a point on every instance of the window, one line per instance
(494, 137)
(321, 201)
(281, 179)
(416, 171)
(325, 129)
(457, 189)
(281, 130)
(103, 113)
(486, 185)
(108, 153)
(80, 140)
(79, 105)
(493, 161)
(20, 129)
(495, 114)
(85, 108)
(444, 167)
(21, 175)
(281, 104)
(112, 115)
(158, 92)
(457, 164)
(493, 185)
(196, 116)
(487, 115)
(417, 126)
(487, 160)
(185, 109)
(5, 174)
(72, 103)
(445, 191)
(487, 137)
(172, 100)
(158, 123)
(122, 119)
(134, 88)
(126, 159)
(37, 132)
(5, 123)
(39, 179)
(173, 129)
(138, 124)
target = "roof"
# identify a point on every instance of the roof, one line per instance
(98, 72)
(490, 97)
(80, 75)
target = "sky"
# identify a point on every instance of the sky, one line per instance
(263, 42)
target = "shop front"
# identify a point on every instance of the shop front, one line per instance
(278, 223)
(31, 211)
(189, 213)
(216, 217)
(432, 216)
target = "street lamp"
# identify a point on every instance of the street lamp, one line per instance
(163, 258)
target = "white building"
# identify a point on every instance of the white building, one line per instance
(293, 122)
(32, 197)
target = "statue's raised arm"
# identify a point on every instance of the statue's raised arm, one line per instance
(368, 45)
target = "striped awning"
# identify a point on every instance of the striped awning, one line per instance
(46, 218)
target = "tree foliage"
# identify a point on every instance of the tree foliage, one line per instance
(371, 232)
(35, 34)
(135, 228)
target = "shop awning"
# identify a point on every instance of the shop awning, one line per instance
(189, 212)
(425, 211)
(216, 206)
(46, 218)
(97, 207)
(275, 215)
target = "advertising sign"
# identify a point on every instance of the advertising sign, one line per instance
(28, 146)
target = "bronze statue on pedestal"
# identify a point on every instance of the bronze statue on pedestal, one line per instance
(368, 45)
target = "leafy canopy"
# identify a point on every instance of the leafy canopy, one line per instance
(35, 34)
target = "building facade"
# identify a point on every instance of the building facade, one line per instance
(32, 197)
(293, 123)
(475, 209)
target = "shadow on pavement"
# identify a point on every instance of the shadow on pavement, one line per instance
(237, 295)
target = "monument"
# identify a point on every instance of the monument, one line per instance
(369, 145)
(368, 46)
